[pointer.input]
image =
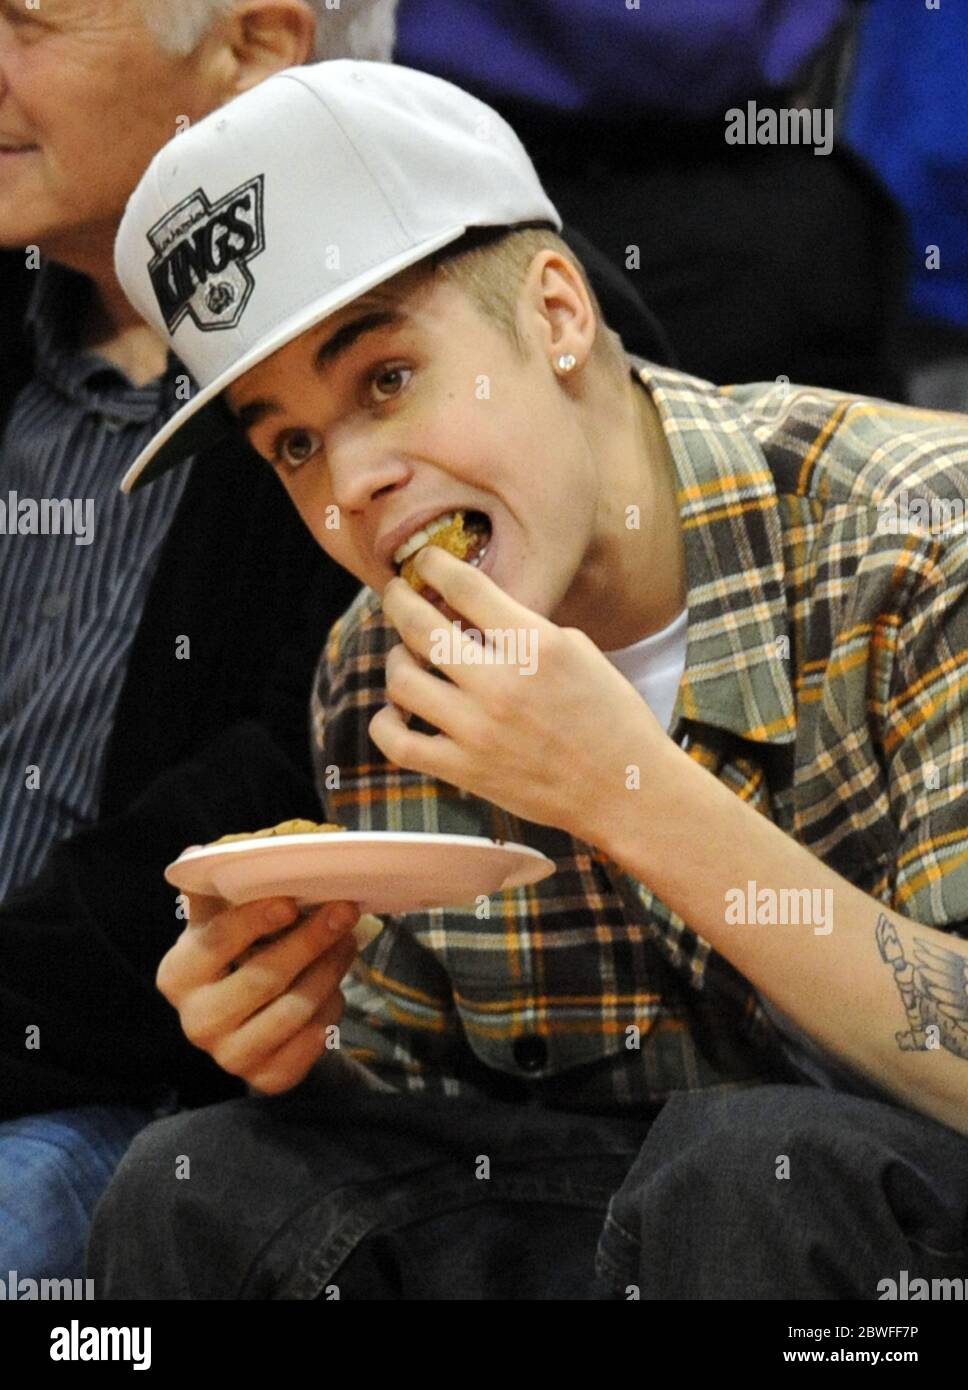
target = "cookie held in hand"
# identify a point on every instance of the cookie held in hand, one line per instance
(461, 534)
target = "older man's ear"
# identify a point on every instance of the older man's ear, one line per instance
(261, 37)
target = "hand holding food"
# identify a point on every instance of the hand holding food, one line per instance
(542, 726)
(367, 927)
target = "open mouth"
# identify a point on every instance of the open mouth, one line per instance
(465, 533)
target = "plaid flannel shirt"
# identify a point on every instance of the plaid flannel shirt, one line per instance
(826, 663)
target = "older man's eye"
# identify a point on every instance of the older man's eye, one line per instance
(293, 448)
(389, 382)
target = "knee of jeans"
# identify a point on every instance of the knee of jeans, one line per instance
(745, 1140)
(192, 1145)
(139, 1182)
(827, 1129)
(713, 1146)
(732, 1139)
(732, 1120)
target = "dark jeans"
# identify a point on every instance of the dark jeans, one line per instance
(363, 1195)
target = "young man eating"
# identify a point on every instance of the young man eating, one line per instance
(722, 1051)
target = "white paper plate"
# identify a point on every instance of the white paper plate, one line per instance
(383, 871)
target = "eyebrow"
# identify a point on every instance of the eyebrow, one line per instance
(327, 352)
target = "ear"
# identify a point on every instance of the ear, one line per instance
(266, 36)
(556, 302)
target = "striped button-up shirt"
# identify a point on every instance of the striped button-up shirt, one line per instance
(76, 561)
(827, 661)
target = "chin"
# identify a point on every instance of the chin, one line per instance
(15, 233)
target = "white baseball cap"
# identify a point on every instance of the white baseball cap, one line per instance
(293, 200)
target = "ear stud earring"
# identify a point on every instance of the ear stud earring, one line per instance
(567, 362)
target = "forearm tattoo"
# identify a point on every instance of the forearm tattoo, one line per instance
(934, 989)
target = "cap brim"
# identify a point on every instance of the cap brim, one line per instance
(206, 420)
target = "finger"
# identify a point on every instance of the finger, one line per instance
(251, 1045)
(466, 654)
(367, 929)
(271, 970)
(469, 592)
(422, 627)
(436, 755)
(415, 690)
(291, 1063)
(204, 952)
(413, 617)
(219, 1007)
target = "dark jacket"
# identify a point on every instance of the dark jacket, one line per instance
(199, 748)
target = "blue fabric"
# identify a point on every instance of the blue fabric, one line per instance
(53, 1169)
(907, 114)
(601, 58)
(70, 610)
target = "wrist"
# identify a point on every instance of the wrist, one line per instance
(641, 799)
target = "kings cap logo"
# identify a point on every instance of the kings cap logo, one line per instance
(200, 266)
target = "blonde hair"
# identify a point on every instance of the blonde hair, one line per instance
(489, 265)
(364, 29)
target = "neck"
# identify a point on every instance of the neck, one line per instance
(112, 327)
(634, 576)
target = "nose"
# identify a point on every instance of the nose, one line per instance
(362, 467)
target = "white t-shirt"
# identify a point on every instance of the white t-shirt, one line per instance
(654, 665)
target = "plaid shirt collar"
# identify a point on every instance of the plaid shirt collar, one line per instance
(735, 681)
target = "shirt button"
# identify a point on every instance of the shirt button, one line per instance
(530, 1052)
(54, 605)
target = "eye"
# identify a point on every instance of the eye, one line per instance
(389, 382)
(293, 448)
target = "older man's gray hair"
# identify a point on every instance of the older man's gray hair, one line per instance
(344, 28)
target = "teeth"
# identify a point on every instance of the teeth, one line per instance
(479, 557)
(421, 537)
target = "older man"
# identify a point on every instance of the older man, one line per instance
(133, 712)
